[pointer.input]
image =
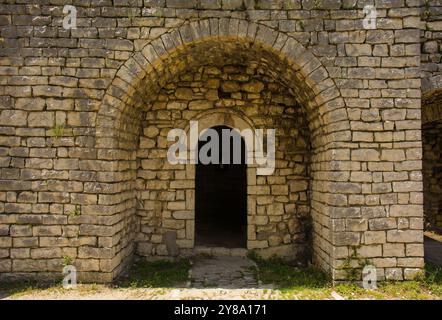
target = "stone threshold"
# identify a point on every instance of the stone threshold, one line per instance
(220, 251)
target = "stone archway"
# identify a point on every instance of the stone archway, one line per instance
(140, 79)
(432, 159)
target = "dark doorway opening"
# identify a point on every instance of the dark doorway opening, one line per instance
(221, 194)
(432, 178)
(432, 174)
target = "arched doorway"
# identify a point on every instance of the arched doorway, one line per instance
(221, 191)
(302, 96)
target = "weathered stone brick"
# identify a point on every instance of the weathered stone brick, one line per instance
(375, 237)
(21, 231)
(41, 119)
(13, 118)
(404, 236)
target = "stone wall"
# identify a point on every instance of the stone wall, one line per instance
(73, 104)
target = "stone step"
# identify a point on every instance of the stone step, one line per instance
(220, 251)
(223, 272)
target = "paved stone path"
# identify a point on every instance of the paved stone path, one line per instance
(223, 272)
(433, 251)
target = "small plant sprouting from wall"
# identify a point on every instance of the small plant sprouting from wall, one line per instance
(317, 4)
(427, 12)
(131, 15)
(67, 261)
(301, 25)
(354, 273)
(76, 211)
(58, 130)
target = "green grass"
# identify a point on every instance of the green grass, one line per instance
(291, 282)
(287, 276)
(24, 287)
(311, 283)
(433, 278)
(58, 130)
(143, 274)
(156, 274)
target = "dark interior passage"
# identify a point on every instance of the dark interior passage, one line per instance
(432, 171)
(221, 197)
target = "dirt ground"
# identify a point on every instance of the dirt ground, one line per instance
(101, 292)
